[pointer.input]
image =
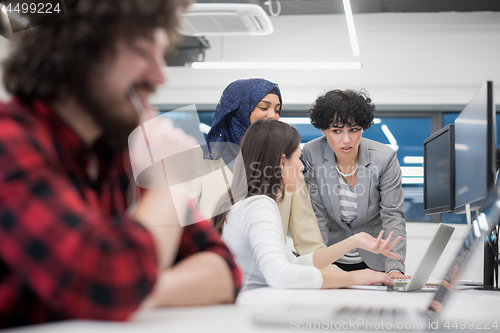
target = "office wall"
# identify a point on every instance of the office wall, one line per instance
(420, 236)
(407, 58)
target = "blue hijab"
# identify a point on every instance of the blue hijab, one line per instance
(232, 116)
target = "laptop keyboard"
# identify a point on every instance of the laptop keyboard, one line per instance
(379, 318)
(369, 312)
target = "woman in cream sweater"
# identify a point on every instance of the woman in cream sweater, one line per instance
(242, 103)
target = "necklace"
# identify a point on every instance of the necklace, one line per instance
(349, 174)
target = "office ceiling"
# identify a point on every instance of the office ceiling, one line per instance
(423, 58)
(317, 7)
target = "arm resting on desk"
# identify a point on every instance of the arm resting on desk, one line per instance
(201, 279)
(339, 279)
(204, 271)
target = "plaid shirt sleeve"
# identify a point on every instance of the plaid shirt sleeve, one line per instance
(60, 258)
(202, 236)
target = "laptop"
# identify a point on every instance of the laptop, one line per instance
(418, 320)
(420, 280)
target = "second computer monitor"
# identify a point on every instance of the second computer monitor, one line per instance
(439, 171)
(475, 150)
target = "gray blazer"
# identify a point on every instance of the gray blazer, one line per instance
(380, 197)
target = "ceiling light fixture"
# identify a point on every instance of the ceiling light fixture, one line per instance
(296, 120)
(413, 160)
(276, 65)
(350, 26)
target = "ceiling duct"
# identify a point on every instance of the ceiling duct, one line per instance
(225, 19)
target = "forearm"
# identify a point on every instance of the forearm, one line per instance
(398, 226)
(157, 213)
(201, 279)
(391, 214)
(333, 279)
(327, 256)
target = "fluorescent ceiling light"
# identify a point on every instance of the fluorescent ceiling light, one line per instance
(388, 134)
(412, 171)
(411, 180)
(350, 26)
(413, 160)
(204, 128)
(469, 121)
(276, 65)
(296, 120)
(393, 147)
(377, 120)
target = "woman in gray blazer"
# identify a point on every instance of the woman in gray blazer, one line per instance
(354, 183)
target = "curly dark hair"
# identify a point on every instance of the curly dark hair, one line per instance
(342, 108)
(53, 60)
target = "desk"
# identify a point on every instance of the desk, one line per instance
(472, 305)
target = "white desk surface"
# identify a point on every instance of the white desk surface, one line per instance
(470, 305)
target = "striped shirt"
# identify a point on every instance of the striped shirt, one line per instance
(348, 201)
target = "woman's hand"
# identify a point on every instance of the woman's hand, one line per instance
(398, 275)
(366, 242)
(368, 277)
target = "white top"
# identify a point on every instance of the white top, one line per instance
(254, 234)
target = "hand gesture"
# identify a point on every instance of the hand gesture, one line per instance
(366, 242)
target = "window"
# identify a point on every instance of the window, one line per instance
(404, 132)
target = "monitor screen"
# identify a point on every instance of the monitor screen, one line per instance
(475, 150)
(439, 171)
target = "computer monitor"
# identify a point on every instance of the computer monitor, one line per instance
(475, 150)
(439, 171)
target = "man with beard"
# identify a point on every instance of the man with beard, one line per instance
(70, 247)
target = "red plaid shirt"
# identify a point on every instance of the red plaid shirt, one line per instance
(67, 247)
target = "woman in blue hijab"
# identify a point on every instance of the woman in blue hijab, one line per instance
(242, 103)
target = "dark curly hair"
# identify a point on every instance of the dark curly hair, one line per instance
(53, 60)
(342, 108)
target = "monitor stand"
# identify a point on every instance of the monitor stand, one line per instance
(490, 274)
(468, 214)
